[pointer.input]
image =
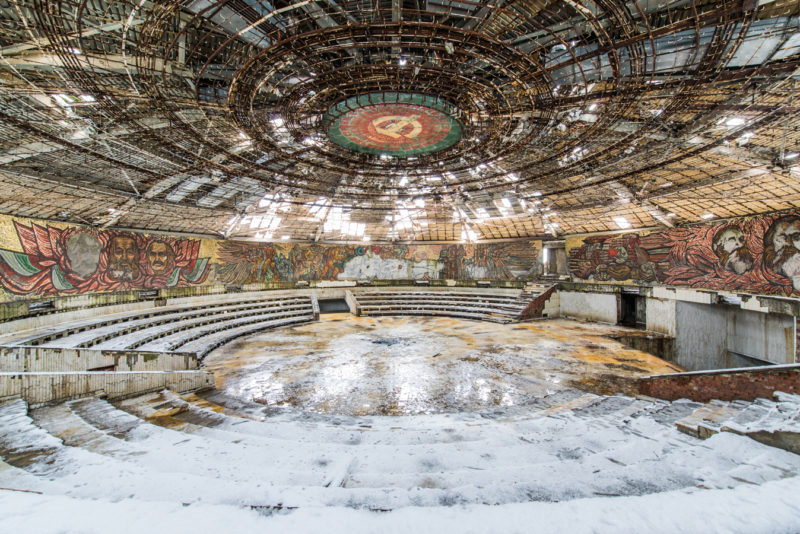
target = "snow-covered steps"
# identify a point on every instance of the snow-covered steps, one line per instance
(98, 427)
(23, 444)
(776, 423)
(150, 464)
(666, 412)
(520, 446)
(61, 421)
(205, 449)
(186, 413)
(706, 420)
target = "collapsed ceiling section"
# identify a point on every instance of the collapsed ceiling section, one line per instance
(395, 120)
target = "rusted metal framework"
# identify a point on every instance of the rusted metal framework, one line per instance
(208, 116)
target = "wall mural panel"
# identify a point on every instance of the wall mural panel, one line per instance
(242, 263)
(72, 260)
(756, 255)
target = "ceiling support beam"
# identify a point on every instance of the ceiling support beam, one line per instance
(109, 62)
(45, 42)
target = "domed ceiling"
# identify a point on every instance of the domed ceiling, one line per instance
(396, 120)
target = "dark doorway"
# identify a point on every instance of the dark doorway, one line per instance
(632, 310)
(333, 306)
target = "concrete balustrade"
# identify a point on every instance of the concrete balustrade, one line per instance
(46, 359)
(40, 388)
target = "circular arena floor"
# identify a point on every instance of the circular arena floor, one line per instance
(422, 365)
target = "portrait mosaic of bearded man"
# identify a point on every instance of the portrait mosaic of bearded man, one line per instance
(53, 260)
(731, 248)
(123, 258)
(782, 248)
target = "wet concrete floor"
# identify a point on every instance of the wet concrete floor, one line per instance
(420, 365)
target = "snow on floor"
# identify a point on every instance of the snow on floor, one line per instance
(773, 508)
(109, 471)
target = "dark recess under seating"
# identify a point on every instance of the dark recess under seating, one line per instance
(333, 306)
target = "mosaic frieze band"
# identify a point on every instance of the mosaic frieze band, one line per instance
(758, 254)
(40, 258)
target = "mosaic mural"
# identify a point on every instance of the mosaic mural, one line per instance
(757, 254)
(73, 260)
(40, 258)
(241, 263)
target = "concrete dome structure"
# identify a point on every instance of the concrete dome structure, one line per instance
(371, 266)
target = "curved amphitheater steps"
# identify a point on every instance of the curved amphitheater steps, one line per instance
(182, 328)
(167, 447)
(190, 326)
(775, 423)
(482, 306)
(95, 335)
(73, 322)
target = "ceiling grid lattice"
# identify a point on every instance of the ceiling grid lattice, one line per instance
(404, 120)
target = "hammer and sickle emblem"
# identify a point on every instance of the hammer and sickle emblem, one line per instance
(397, 126)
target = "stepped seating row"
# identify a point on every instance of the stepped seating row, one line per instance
(511, 307)
(192, 448)
(183, 321)
(208, 341)
(193, 328)
(184, 330)
(127, 322)
(475, 296)
(501, 308)
(437, 311)
(774, 422)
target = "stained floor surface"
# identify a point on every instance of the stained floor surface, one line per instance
(421, 365)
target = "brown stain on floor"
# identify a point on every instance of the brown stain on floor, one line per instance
(200, 402)
(166, 418)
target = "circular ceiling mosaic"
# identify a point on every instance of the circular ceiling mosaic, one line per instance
(400, 125)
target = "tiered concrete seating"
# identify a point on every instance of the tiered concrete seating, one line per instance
(183, 330)
(175, 328)
(204, 342)
(483, 306)
(775, 422)
(166, 447)
(90, 333)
